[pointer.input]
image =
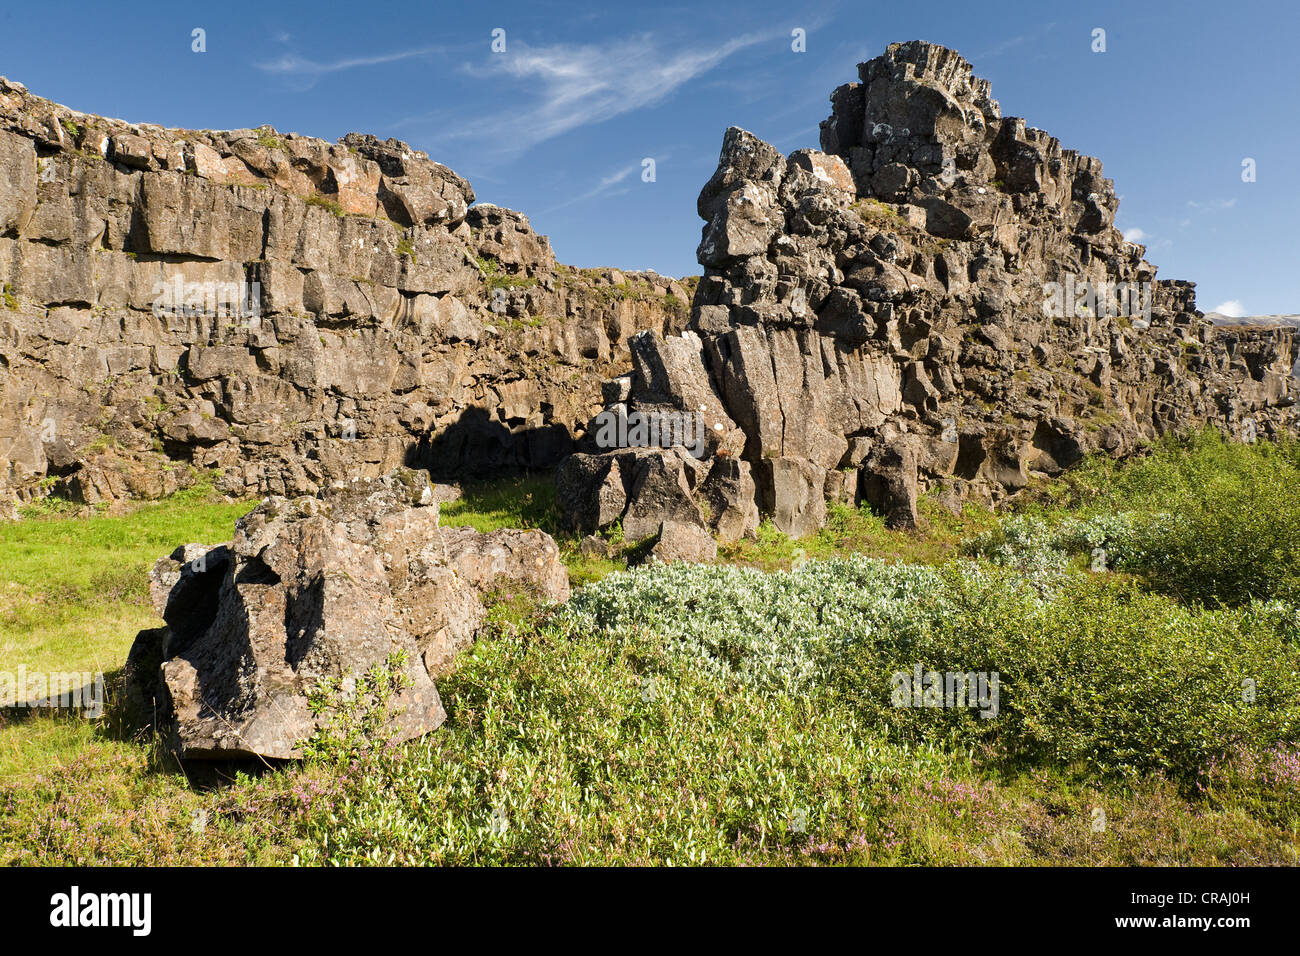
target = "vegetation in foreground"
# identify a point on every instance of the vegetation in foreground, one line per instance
(742, 713)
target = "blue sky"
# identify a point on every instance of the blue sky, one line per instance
(559, 124)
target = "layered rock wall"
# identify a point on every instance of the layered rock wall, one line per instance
(938, 299)
(285, 311)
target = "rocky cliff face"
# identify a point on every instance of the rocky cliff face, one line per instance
(939, 298)
(289, 311)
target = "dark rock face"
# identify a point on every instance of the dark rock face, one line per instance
(289, 311)
(938, 300)
(320, 587)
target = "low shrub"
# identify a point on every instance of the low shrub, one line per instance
(1095, 673)
(1102, 677)
(565, 748)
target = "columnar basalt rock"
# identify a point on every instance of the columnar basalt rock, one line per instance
(937, 299)
(320, 588)
(390, 320)
(871, 322)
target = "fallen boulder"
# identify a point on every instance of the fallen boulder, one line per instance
(683, 541)
(318, 588)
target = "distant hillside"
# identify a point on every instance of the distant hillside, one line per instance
(1260, 321)
(1218, 318)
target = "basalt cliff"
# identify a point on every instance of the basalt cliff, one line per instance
(281, 312)
(937, 300)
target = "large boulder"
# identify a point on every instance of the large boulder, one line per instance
(683, 541)
(888, 483)
(589, 492)
(318, 588)
(729, 493)
(661, 491)
(793, 490)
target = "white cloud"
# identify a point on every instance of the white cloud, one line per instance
(292, 65)
(1212, 204)
(562, 87)
(1232, 308)
(605, 186)
(1134, 235)
(1012, 43)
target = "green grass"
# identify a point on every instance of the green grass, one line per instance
(74, 590)
(267, 139)
(73, 595)
(526, 501)
(873, 210)
(858, 530)
(735, 715)
(523, 501)
(524, 322)
(316, 199)
(495, 277)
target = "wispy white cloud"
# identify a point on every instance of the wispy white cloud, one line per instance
(1232, 308)
(607, 186)
(1212, 204)
(806, 134)
(613, 184)
(1134, 235)
(562, 87)
(307, 70)
(1014, 42)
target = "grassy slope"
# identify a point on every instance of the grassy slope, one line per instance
(73, 595)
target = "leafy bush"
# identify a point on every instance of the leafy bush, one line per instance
(1226, 546)
(1095, 673)
(1203, 519)
(1036, 549)
(1222, 520)
(564, 748)
(1102, 676)
(1026, 544)
(354, 717)
(772, 630)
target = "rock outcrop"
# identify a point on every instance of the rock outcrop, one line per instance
(317, 588)
(938, 299)
(281, 310)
